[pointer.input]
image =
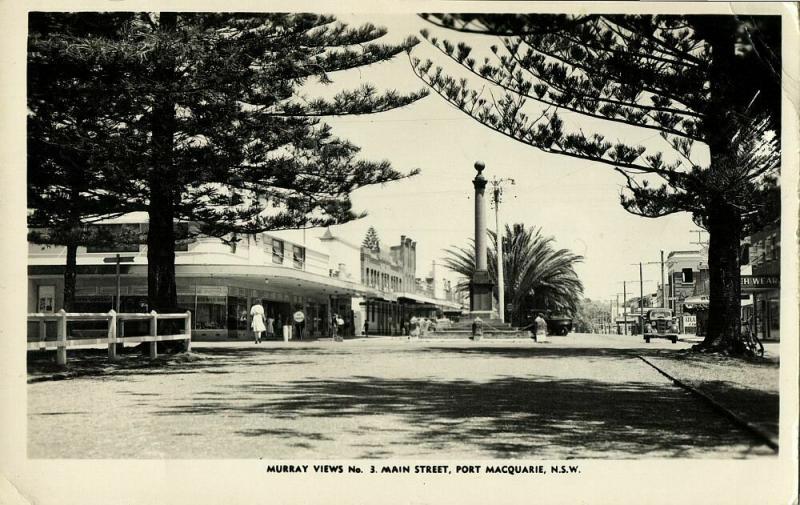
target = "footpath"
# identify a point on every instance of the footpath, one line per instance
(746, 389)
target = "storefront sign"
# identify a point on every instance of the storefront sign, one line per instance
(299, 317)
(760, 282)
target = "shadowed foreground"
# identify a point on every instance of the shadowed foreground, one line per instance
(384, 399)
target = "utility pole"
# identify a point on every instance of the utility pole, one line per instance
(625, 297)
(624, 308)
(641, 299)
(664, 302)
(501, 293)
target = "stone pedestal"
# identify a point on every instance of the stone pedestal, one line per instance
(480, 293)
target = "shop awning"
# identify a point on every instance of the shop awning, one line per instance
(418, 298)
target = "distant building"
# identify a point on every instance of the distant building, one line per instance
(392, 294)
(686, 270)
(761, 254)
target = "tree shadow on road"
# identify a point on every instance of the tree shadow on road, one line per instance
(509, 417)
(92, 363)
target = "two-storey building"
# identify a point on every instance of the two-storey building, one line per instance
(217, 281)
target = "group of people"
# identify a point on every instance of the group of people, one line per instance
(417, 326)
(420, 326)
(262, 323)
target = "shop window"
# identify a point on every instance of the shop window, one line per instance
(776, 247)
(299, 257)
(115, 238)
(277, 251)
(774, 318)
(744, 254)
(768, 248)
(757, 256)
(182, 238)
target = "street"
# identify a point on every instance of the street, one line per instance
(581, 396)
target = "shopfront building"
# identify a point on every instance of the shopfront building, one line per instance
(217, 282)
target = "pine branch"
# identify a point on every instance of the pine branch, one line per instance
(565, 106)
(574, 90)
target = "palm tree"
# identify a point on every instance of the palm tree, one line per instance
(536, 275)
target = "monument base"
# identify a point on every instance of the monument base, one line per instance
(480, 292)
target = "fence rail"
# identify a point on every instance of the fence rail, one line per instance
(64, 340)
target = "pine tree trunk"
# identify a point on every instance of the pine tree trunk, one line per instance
(723, 221)
(161, 291)
(164, 190)
(70, 276)
(724, 324)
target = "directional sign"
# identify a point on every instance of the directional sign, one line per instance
(122, 259)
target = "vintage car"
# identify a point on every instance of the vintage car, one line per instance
(557, 325)
(659, 323)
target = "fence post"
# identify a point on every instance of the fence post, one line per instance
(112, 334)
(61, 336)
(188, 330)
(153, 332)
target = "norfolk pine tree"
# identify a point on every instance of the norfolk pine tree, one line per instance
(371, 240)
(225, 137)
(712, 80)
(70, 183)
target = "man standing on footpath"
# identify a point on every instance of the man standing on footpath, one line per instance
(540, 329)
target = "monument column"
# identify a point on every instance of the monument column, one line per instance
(480, 299)
(479, 182)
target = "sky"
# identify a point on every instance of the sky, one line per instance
(575, 201)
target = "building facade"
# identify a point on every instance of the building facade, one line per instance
(686, 270)
(762, 255)
(217, 282)
(388, 277)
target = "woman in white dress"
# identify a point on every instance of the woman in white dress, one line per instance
(257, 324)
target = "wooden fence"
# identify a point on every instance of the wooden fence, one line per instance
(63, 339)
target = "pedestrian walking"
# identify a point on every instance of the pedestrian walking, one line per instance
(338, 328)
(366, 328)
(413, 325)
(257, 322)
(540, 327)
(270, 327)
